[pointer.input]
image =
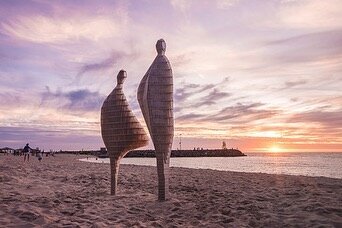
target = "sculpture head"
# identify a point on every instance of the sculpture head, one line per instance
(122, 75)
(161, 47)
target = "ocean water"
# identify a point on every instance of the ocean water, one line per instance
(307, 164)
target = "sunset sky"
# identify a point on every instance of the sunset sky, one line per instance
(256, 74)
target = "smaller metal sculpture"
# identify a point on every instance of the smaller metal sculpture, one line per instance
(121, 130)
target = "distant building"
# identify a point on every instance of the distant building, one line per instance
(102, 153)
(7, 150)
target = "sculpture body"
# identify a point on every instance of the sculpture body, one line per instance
(121, 130)
(155, 96)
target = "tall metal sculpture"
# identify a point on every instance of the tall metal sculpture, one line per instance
(121, 130)
(155, 96)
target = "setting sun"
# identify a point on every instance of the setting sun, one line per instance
(275, 149)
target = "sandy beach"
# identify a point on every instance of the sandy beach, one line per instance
(61, 191)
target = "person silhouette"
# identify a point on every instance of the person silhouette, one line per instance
(27, 149)
(121, 131)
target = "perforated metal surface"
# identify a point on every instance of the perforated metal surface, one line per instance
(155, 96)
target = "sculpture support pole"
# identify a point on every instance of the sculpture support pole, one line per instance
(114, 171)
(163, 168)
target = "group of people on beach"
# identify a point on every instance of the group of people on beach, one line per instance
(27, 150)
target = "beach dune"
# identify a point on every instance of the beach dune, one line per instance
(61, 191)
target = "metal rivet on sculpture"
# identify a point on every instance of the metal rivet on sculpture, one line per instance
(121, 130)
(155, 96)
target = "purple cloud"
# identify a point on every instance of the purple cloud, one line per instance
(76, 100)
(44, 138)
(237, 114)
(307, 47)
(329, 119)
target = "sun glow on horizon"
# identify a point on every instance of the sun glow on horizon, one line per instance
(275, 149)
